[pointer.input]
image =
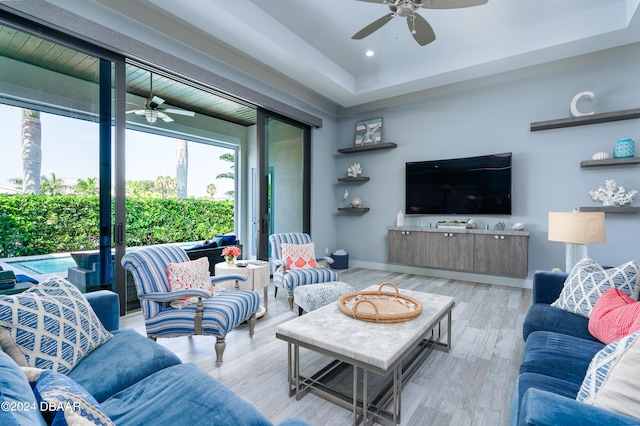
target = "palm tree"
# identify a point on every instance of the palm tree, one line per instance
(166, 185)
(231, 158)
(31, 151)
(182, 167)
(86, 187)
(53, 186)
(211, 189)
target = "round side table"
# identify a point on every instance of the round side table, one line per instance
(258, 276)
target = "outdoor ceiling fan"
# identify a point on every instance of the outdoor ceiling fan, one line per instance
(155, 108)
(419, 27)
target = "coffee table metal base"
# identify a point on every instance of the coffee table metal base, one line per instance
(376, 392)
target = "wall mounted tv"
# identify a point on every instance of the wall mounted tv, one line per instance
(473, 185)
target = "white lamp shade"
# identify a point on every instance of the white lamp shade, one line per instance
(577, 227)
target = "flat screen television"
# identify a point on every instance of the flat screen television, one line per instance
(473, 185)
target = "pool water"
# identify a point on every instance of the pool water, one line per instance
(49, 265)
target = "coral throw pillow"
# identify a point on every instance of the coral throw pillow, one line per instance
(614, 316)
(189, 275)
(299, 256)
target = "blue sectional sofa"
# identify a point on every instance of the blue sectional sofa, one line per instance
(136, 381)
(557, 353)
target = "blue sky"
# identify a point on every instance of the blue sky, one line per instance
(70, 150)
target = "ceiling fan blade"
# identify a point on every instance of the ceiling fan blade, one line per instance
(164, 117)
(451, 4)
(133, 110)
(373, 1)
(139, 112)
(420, 29)
(155, 102)
(179, 111)
(375, 25)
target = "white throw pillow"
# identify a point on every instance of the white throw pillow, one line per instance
(587, 281)
(299, 256)
(611, 381)
(189, 275)
(53, 325)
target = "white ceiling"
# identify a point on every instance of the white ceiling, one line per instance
(310, 42)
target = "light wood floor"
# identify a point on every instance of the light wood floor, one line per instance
(471, 385)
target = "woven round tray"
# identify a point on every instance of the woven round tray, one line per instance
(380, 306)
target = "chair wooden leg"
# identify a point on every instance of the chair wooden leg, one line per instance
(152, 338)
(290, 300)
(252, 323)
(275, 293)
(221, 345)
(299, 311)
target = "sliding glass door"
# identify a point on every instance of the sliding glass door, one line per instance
(284, 178)
(55, 182)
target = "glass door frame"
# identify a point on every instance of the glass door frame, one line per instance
(263, 173)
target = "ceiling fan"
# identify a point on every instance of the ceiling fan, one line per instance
(155, 108)
(419, 27)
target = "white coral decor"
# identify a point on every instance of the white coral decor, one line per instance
(612, 194)
(354, 170)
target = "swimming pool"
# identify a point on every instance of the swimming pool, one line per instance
(54, 264)
(49, 265)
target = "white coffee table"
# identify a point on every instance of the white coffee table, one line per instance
(371, 347)
(258, 276)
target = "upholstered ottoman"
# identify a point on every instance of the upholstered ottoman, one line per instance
(313, 296)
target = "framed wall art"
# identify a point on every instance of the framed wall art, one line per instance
(368, 131)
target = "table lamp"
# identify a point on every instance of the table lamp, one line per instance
(576, 229)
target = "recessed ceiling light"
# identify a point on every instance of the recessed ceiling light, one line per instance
(369, 53)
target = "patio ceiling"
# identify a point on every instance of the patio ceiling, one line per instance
(44, 54)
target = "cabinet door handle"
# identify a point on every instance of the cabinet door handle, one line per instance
(496, 237)
(502, 237)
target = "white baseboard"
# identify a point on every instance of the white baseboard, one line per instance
(442, 273)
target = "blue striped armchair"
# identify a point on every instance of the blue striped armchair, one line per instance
(289, 279)
(212, 315)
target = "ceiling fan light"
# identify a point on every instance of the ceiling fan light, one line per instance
(151, 115)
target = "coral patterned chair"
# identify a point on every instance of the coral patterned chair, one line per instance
(293, 254)
(212, 315)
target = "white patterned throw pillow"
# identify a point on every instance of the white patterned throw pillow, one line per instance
(299, 256)
(588, 281)
(52, 324)
(611, 381)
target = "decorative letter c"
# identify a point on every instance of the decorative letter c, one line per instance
(574, 102)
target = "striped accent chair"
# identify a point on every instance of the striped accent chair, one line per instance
(289, 279)
(212, 315)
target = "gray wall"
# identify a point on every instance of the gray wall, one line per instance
(493, 115)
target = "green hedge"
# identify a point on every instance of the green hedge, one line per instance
(40, 224)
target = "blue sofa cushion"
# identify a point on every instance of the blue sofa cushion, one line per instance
(62, 401)
(162, 399)
(539, 381)
(543, 408)
(124, 360)
(18, 403)
(558, 355)
(547, 318)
